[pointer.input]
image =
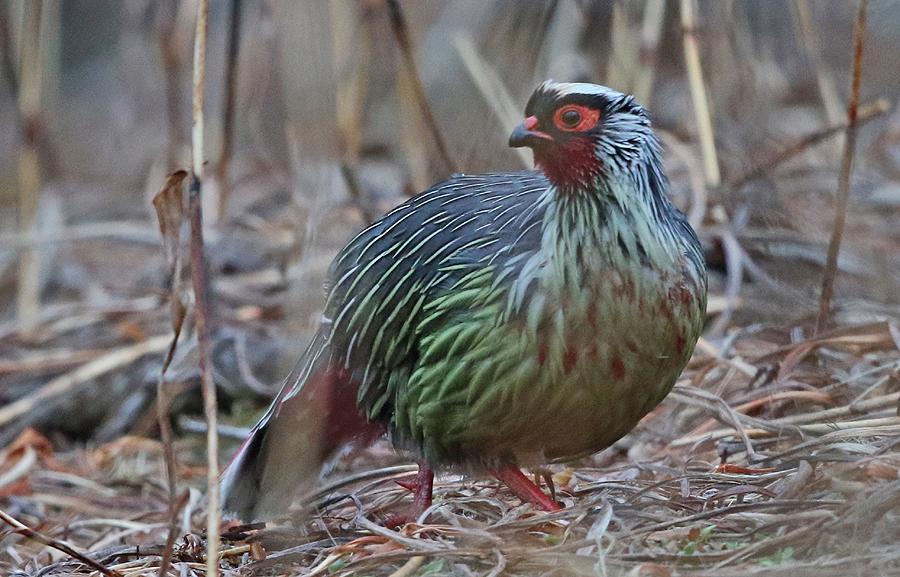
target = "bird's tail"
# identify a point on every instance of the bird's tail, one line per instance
(313, 417)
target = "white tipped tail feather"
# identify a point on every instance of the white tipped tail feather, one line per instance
(312, 418)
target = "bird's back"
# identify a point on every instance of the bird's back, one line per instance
(381, 284)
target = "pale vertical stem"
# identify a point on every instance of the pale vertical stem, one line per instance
(201, 293)
(698, 95)
(28, 163)
(350, 49)
(619, 65)
(198, 90)
(651, 30)
(843, 194)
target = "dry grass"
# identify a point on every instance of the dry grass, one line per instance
(773, 455)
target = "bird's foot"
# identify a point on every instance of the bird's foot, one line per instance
(421, 486)
(523, 488)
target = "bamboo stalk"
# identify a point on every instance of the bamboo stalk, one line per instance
(698, 94)
(840, 214)
(201, 293)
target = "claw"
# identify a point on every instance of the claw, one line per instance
(421, 485)
(409, 483)
(524, 489)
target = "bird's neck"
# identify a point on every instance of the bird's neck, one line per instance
(619, 222)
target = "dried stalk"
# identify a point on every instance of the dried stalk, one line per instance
(201, 293)
(28, 164)
(622, 54)
(231, 68)
(840, 215)
(401, 33)
(651, 30)
(350, 47)
(169, 204)
(698, 94)
(30, 533)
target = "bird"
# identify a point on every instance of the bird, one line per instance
(496, 321)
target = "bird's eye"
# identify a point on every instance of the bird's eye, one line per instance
(571, 117)
(576, 118)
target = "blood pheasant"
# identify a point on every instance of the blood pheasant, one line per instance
(497, 320)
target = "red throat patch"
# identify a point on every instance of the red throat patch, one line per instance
(570, 165)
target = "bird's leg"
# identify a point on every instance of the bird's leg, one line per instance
(523, 488)
(422, 487)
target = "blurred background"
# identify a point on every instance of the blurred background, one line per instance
(314, 127)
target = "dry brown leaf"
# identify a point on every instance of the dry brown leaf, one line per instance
(169, 205)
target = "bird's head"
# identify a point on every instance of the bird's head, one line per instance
(581, 132)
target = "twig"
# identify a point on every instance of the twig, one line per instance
(114, 359)
(891, 425)
(741, 365)
(812, 396)
(169, 205)
(840, 215)
(26, 531)
(698, 94)
(176, 504)
(760, 169)
(201, 294)
(231, 67)
(401, 33)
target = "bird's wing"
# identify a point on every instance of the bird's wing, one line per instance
(386, 276)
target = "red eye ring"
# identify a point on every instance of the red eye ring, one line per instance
(586, 119)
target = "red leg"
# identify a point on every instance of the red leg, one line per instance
(524, 489)
(422, 488)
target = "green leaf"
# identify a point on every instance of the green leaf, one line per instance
(433, 568)
(779, 557)
(337, 565)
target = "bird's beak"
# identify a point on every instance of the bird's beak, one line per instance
(527, 134)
